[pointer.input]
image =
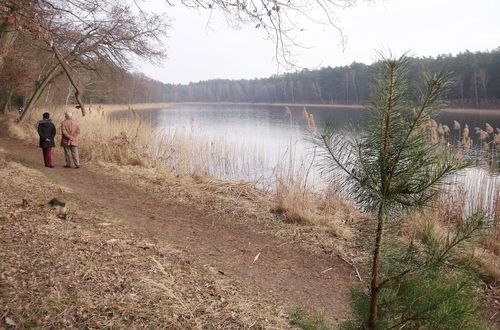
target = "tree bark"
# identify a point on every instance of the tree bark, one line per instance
(70, 77)
(475, 89)
(6, 105)
(39, 91)
(7, 37)
(374, 288)
(347, 87)
(353, 78)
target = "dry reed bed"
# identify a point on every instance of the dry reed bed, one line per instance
(483, 251)
(116, 148)
(184, 166)
(92, 271)
(188, 163)
(131, 141)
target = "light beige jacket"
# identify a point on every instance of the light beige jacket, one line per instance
(70, 131)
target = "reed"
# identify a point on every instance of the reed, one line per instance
(133, 141)
(297, 198)
(446, 216)
(485, 152)
(288, 112)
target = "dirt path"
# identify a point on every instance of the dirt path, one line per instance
(282, 269)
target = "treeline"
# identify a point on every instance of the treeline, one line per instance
(74, 51)
(477, 83)
(97, 56)
(105, 83)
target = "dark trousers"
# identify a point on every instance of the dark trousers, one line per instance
(47, 156)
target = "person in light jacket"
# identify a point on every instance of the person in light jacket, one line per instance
(70, 131)
(47, 132)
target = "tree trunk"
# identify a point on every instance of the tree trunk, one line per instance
(318, 92)
(484, 83)
(374, 288)
(6, 105)
(7, 37)
(353, 78)
(70, 77)
(475, 89)
(347, 87)
(39, 91)
(70, 89)
(462, 90)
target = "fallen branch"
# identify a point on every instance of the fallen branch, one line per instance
(352, 265)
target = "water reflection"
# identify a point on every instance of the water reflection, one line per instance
(257, 138)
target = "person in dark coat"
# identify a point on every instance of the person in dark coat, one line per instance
(47, 132)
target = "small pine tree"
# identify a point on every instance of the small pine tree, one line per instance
(391, 166)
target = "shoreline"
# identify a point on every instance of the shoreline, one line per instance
(319, 105)
(149, 106)
(470, 110)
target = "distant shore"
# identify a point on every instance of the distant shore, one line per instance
(122, 107)
(469, 110)
(149, 106)
(319, 105)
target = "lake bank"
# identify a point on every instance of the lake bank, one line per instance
(124, 160)
(149, 106)
(229, 229)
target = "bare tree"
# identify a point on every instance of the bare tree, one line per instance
(281, 21)
(82, 34)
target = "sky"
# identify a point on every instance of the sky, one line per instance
(199, 49)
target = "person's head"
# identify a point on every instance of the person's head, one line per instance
(68, 115)
(46, 115)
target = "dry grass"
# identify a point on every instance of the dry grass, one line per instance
(94, 272)
(132, 141)
(182, 167)
(297, 202)
(448, 215)
(482, 252)
(237, 200)
(195, 161)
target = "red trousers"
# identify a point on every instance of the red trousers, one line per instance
(47, 156)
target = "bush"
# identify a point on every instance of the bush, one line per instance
(427, 284)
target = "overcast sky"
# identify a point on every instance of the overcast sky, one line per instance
(423, 27)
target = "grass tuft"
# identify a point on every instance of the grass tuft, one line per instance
(302, 319)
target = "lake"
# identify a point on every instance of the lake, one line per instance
(258, 140)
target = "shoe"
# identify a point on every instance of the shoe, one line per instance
(77, 166)
(49, 166)
(67, 166)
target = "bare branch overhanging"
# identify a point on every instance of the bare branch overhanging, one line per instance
(282, 21)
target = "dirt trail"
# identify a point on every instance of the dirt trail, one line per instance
(283, 269)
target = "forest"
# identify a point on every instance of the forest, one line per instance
(476, 76)
(56, 52)
(476, 83)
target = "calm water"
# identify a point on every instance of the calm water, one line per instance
(272, 133)
(266, 124)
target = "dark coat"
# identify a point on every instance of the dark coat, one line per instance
(46, 130)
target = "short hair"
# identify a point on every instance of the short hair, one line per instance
(46, 115)
(68, 114)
